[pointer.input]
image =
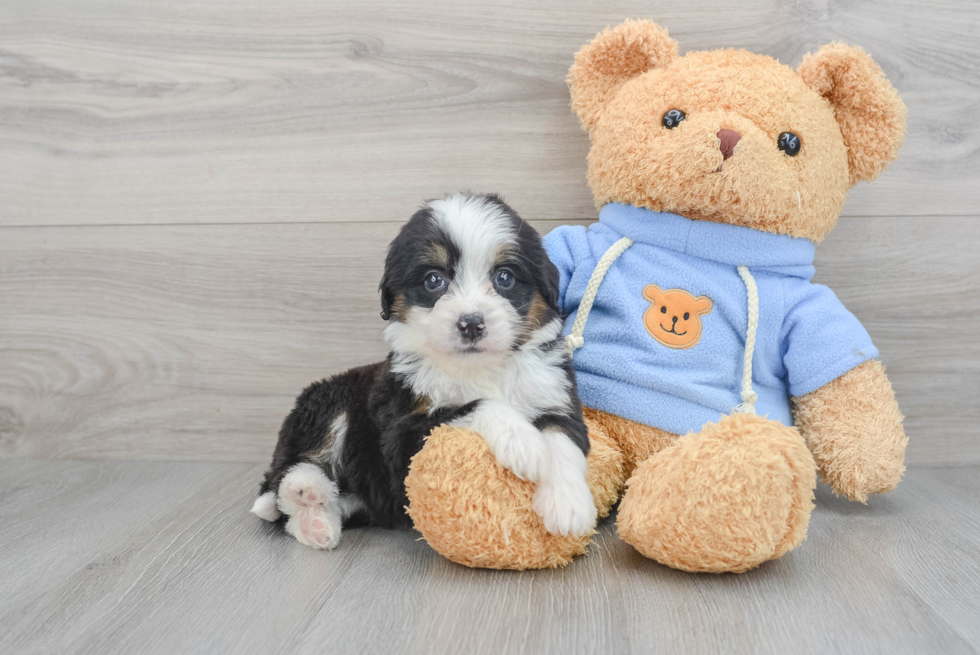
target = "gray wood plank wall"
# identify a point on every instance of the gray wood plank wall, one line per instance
(195, 196)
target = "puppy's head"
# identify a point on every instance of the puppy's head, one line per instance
(467, 278)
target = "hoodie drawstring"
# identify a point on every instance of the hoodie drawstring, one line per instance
(749, 397)
(575, 339)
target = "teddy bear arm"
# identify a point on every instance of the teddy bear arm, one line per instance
(853, 427)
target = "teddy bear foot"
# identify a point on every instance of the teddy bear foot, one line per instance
(727, 498)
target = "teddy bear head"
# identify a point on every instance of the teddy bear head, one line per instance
(731, 136)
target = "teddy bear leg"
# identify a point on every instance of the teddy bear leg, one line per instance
(636, 442)
(727, 498)
(854, 428)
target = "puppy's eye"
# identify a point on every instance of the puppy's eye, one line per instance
(504, 279)
(434, 281)
(687, 315)
(672, 118)
(663, 310)
(789, 143)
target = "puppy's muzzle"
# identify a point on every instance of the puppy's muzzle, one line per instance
(471, 327)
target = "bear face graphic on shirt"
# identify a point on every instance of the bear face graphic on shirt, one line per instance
(674, 316)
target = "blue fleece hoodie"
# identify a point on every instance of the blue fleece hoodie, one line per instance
(806, 337)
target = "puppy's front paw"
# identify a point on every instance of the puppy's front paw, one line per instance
(314, 527)
(566, 509)
(521, 449)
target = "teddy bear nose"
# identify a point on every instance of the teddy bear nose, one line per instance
(728, 140)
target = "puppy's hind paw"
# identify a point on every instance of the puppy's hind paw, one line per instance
(566, 510)
(314, 527)
(305, 486)
(265, 508)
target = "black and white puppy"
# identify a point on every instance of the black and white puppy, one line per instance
(474, 334)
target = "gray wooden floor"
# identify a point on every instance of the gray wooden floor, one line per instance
(162, 557)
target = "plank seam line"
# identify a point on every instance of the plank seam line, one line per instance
(534, 220)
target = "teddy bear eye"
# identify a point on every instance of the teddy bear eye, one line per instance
(687, 315)
(789, 143)
(672, 118)
(663, 310)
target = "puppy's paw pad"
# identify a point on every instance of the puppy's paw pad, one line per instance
(314, 528)
(303, 494)
(305, 485)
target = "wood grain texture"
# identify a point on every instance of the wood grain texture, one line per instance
(194, 202)
(129, 111)
(157, 557)
(191, 342)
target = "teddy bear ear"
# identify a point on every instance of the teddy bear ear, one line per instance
(703, 305)
(869, 112)
(651, 292)
(612, 57)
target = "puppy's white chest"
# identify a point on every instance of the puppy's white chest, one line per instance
(530, 382)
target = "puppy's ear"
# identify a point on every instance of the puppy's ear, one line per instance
(613, 57)
(869, 112)
(387, 286)
(387, 297)
(548, 281)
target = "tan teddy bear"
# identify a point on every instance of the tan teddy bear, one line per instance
(691, 312)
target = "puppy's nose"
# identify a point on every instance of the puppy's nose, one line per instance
(471, 326)
(728, 140)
